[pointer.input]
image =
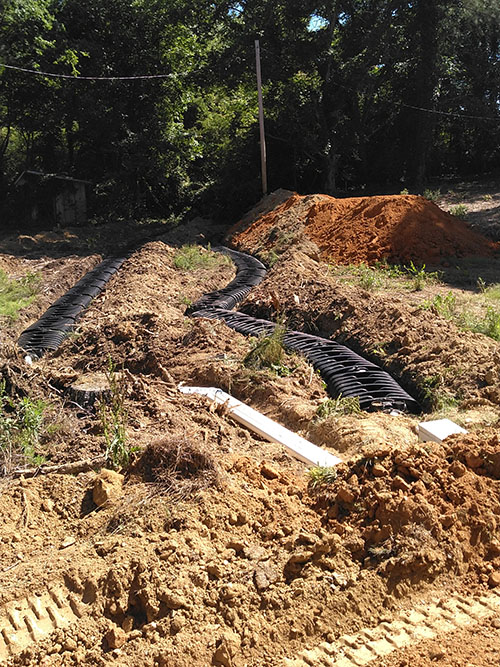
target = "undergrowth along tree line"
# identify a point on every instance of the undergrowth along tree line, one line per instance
(356, 93)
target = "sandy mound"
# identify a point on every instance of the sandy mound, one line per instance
(398, 228)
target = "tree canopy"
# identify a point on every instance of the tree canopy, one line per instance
(356, 92)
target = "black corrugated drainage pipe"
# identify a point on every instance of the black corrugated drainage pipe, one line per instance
(344, 372)
(59, 320)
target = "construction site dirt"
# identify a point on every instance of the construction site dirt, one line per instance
(211, 545)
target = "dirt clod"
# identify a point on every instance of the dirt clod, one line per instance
(107, 487)
(116, 637)
(494, 579)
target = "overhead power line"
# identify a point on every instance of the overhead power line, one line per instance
(450, 113)
(89, 78)
(172, 75)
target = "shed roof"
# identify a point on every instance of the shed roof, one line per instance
(40, 174)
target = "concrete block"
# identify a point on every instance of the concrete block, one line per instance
(438, 430)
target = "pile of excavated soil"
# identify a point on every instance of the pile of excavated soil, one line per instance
(397, 228)
(422, 509)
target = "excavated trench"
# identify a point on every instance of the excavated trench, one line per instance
(344, 372)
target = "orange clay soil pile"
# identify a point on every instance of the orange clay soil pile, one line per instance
(398, 228)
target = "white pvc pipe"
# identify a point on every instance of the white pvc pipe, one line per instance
(296, 446)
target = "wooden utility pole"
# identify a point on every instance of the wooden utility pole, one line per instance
(263, 159)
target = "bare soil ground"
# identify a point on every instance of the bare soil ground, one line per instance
(481, 200)
(214, 547)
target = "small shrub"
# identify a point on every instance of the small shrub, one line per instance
(348, 405)
(267, 351)
(459, 211)
(23, 425)
(17, 294)
(421, 277)
(432, 195)
(321, 476)
(445, 306)
(434, 394)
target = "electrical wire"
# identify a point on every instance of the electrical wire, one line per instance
(425, 110)
(89, 78)
(172, 75)
(449, 113)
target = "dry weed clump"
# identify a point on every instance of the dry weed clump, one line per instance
(179, 466)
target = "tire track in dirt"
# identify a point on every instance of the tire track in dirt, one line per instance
(31, 619)
(422, 622)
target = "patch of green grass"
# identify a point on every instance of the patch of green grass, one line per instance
(445, 306)
(321, 476)
(270, 257)
(389, 270)
(386, 276)
(489, 324)
(379, 349)
(368, 277)
(492, 293)
(267, 353)
(186, 301)
(192, 257)
(23, 425)
(17, 294)
(459, 211)
(348, 405)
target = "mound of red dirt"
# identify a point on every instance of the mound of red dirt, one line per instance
(398, 228)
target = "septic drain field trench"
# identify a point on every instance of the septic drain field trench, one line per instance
(244, 565)
(346, 374)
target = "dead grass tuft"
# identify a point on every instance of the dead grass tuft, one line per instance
(179, 466)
